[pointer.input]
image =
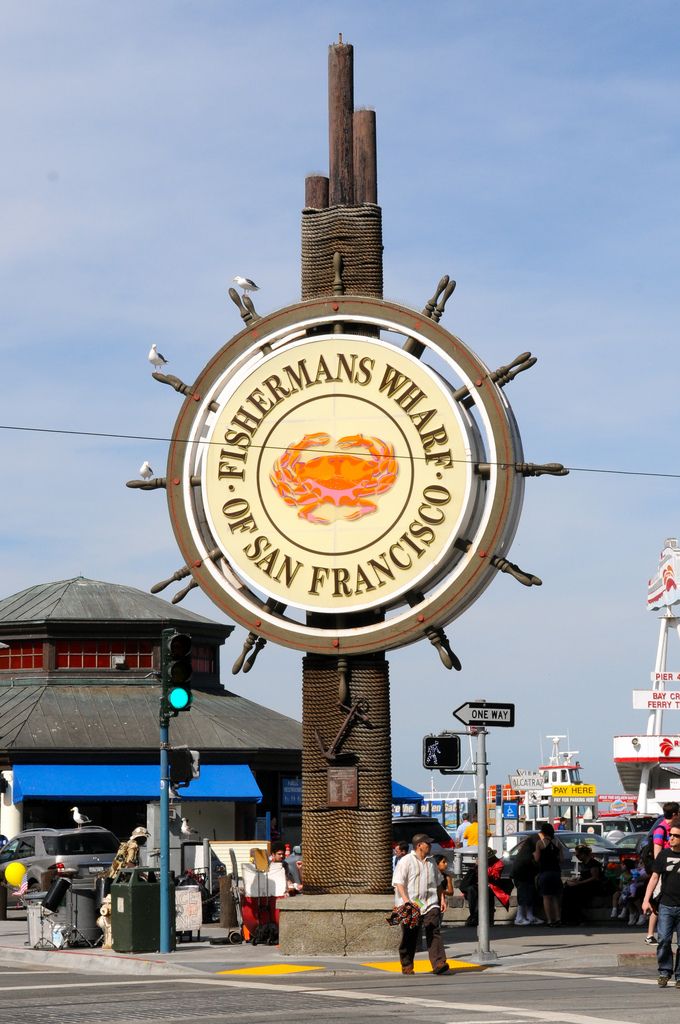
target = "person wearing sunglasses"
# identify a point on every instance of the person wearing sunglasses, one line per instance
(666, 869)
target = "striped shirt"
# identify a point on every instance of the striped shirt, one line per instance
(420, 878)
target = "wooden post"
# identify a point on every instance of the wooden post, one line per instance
(340, 124)
(316, 192)
(365, 158)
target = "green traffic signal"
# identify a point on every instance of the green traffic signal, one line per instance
(176, 671)
(179, 698)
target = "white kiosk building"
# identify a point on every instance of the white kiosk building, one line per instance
(649, 762)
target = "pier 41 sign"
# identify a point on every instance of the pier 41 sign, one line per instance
(319, 468)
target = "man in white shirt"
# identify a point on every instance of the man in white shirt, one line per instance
(465, 821)
(418, 881)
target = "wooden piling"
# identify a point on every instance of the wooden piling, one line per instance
(365, 158)
(316, 192)
(340, 124)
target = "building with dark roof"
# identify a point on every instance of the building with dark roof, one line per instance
(79, 718)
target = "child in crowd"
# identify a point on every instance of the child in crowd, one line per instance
(619, 897)
(630, 895)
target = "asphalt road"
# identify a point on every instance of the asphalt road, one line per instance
(495, 996)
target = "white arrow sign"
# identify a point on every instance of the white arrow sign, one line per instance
(484, 713)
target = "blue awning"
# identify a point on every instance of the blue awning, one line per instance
(234, 782)
(400, 793)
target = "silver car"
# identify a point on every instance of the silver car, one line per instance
(72, 852)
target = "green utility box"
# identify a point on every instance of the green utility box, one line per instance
(136, 911)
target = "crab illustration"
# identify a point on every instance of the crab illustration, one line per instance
(334, 479)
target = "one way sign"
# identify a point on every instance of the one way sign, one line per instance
(482, 713)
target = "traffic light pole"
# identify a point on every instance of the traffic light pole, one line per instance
(165, 838)
(176, 671)
(164, 945)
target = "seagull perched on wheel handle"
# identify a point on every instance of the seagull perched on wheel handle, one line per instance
(80, 819)
(145, 470)
(246, 284)
(155, 357)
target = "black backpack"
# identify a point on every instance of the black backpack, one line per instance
(647, 848)
(265, 935)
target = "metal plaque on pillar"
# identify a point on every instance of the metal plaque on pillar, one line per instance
(343, 787)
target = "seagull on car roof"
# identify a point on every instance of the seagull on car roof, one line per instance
(80, 819)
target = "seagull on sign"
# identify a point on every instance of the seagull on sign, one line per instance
(80, 819)
(186, 829)
(246, 284)
(155, 357)
(145, 470)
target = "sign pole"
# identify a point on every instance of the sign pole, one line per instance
(483, 953)
(165, 841)
(164, 944)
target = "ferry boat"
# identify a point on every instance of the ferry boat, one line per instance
(562, 792)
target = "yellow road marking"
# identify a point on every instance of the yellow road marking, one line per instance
(423, 966)
(273, 969)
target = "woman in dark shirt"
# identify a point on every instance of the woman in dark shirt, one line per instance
(524, 872)
(547, 856)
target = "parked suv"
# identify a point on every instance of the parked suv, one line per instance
(74, 852)
(403, 830)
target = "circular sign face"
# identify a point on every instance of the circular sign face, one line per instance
(338, 474)
(335, 493)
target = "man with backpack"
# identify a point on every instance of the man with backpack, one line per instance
(666, 870)
(657, 841)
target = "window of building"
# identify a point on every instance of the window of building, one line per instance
(103, 654)
(203, 658)
(21, 655)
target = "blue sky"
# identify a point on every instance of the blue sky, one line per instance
(529, 149)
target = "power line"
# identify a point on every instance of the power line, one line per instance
(167, 440)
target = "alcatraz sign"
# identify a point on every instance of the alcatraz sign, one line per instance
(316, 466)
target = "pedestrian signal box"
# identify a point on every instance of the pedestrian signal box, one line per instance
(441, 753)
(184, 765)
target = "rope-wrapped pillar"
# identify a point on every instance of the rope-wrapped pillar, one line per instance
(346, 849)
(353, 231)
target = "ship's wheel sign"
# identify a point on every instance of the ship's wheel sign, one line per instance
(346, 457)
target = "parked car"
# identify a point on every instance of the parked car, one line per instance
(73, 852)
(630, 845)
(403, 830)
(624, 823)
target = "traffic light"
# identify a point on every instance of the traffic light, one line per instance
(176, 671)
(183, 765)
(441, 752)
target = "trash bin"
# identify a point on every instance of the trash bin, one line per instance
(136, 911)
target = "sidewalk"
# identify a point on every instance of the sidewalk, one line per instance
(516, 948)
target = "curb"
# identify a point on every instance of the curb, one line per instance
(625, 959)
(77, 960)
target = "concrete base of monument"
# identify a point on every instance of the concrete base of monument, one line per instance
(339, 925)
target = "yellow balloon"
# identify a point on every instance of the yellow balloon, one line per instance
(14, 873)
